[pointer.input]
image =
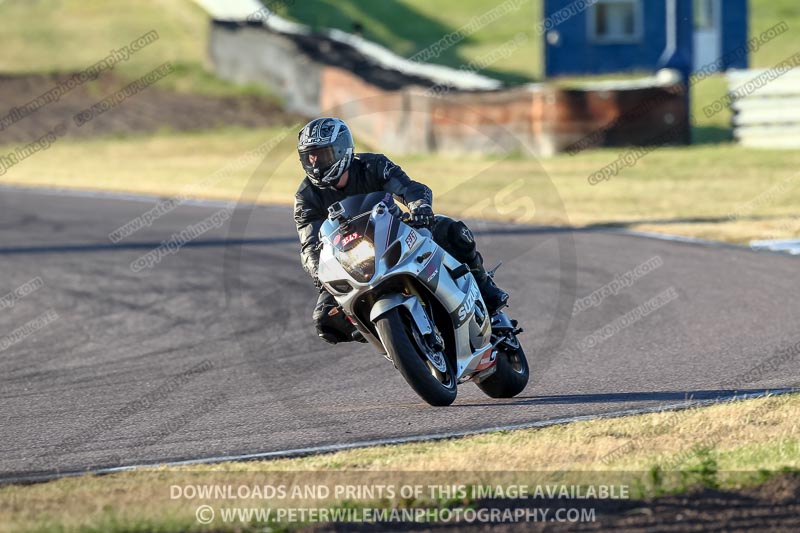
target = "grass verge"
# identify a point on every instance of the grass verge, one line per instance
(387, 23)
(725, 445)
(71, 35)
(63, 35)
(719, 192)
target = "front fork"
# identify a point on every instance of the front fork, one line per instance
(433, 339)
(505, 330)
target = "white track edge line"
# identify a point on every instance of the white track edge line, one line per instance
(332, 448)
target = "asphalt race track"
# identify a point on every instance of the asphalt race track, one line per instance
(210, 352)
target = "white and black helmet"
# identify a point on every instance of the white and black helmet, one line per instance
(326, 149)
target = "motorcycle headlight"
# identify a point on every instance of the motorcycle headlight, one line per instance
(359, 261)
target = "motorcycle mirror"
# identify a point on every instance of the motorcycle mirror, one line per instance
(492, 271)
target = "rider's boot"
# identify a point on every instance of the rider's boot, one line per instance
(331, 323)
(495, 297)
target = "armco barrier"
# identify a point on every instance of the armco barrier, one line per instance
(766, 107)
(315, 74)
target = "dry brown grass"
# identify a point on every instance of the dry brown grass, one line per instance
(717, 192)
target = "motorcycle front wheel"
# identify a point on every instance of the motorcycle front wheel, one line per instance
(431, 384)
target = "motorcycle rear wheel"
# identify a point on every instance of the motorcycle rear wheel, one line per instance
(433, 386)
(511, 376)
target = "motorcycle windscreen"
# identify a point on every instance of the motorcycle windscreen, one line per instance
(352, 240)
(356, 205)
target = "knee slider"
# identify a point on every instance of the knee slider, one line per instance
(462, 239)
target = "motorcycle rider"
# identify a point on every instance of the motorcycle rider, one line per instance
(333, 172)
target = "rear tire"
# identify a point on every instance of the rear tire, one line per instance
(511, 376)
(393, 328)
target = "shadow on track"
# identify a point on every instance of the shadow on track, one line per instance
(103, 247)
(621, 397)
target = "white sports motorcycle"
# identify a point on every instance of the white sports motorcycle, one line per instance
(415, 303)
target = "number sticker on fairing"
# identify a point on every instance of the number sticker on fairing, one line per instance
(350, 238)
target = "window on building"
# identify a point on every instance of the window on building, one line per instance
(615, 21)
(705, 14)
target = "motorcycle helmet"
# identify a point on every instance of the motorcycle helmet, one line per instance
(325, 146)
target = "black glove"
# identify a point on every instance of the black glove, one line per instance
(421, 213)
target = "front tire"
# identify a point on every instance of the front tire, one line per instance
(433, 386)
(511, 376)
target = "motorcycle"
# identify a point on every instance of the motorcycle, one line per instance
(415, 303)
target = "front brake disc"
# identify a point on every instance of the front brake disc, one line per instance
(436, 358)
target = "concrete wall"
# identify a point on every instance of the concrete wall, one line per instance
(400, 114)
(250, 54)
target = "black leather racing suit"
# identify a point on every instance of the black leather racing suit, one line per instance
(368, 173)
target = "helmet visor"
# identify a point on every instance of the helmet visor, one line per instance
(318, 161)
